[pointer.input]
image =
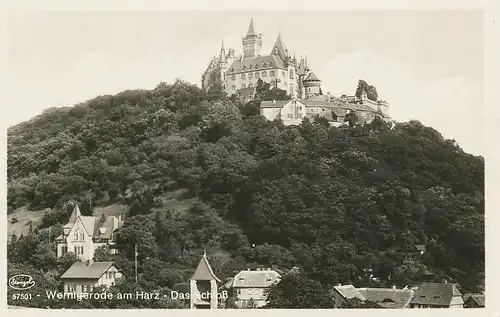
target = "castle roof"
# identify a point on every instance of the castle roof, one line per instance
(256, 63)
(302, 68)
(204, 271)
(312, 77)
(251, 30)
(280, 49)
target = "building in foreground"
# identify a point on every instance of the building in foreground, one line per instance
(437, 295)
(474, 301)
(203, 286)
(82, 235)
(384, 297)
(252, 286)
(85, 277)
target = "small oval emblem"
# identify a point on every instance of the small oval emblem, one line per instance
(21, 282)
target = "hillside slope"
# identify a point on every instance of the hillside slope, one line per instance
(332, 201)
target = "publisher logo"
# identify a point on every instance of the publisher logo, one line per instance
(21, 282)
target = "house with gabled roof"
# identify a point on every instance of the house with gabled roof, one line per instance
(252, 285)
(203, 286)
(474, 301)
(437, 295)
(85, 277)
(82, 235)
(341, 293)
(388, 297)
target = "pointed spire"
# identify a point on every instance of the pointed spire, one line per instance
(280, 48)
(75, 214)
(251, 30)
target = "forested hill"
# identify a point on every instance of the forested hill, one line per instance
(331, 201)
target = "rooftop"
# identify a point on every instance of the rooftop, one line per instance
(437, 294)
(85, 271)
(254, 279)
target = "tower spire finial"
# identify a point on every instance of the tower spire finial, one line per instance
(204, 253)
(251, 29)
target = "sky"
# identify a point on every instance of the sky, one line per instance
(427, 64)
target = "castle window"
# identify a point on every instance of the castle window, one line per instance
(256, 75)
(224, 75)
(250, 85)
(283, 73)
(243, 85)
(290, 115)
(233, 77)
(243, 76)
(234, 87)
(250, 76)
(271, 73)
(291, 73)
(264, 74)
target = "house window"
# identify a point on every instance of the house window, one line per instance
(233, 88)
(243, 85)
(85, 288)
(110, 275)
(71, 288)
(82, 236)
(264, 74)
(76, 235)
(243, 76)
(257, 75)
(64, 249)
(238, 291)
(250, 85)
(78, 249)
(233, 77)
(283, 73)
(250, 76)
(290, 115)
(271, 73)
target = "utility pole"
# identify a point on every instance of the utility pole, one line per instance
(90, 201)
(135, 261)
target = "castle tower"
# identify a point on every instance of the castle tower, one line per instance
(203, 286)
(252, 42)
(223, 65)
(312, 85)
(364, 95)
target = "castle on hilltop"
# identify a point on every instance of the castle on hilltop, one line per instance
(239, 74)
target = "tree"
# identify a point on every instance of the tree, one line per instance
(103, 254)
(371, 91)
(356, 303)
(299, 292)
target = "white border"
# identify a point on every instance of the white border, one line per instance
(492, 88)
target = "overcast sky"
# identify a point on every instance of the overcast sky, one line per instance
(427, 65)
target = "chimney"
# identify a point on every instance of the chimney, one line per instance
(339, 284)
(446, 281)
(274, 101)
(393, 286)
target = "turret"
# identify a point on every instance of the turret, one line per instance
(312, 85)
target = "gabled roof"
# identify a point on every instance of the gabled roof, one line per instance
(348, 292)
(254, 279)
(420, 247)
(312, 77)
(204, 271)
(478, 298)
(74, 215)
(274, 104)
(437, 294)
(83, 271)
(388, 297)
(280, 49)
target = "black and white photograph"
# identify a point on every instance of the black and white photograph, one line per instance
(245, 159)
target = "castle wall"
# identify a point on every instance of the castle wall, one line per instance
(235, 81)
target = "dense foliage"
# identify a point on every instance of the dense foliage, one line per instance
(371, 91)
(333, 202)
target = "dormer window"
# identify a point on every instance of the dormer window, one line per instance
(242, 277)
(102, 230)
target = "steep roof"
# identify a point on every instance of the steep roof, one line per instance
(312, 77)
(388, 297)
(84, 271)
(74, 215)
(251, 30)
(478, 298)
(280, 49)
(204, 271)
(255, 64)
(302, 68)
(254, 279)
(348, 292)
(437, 294)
